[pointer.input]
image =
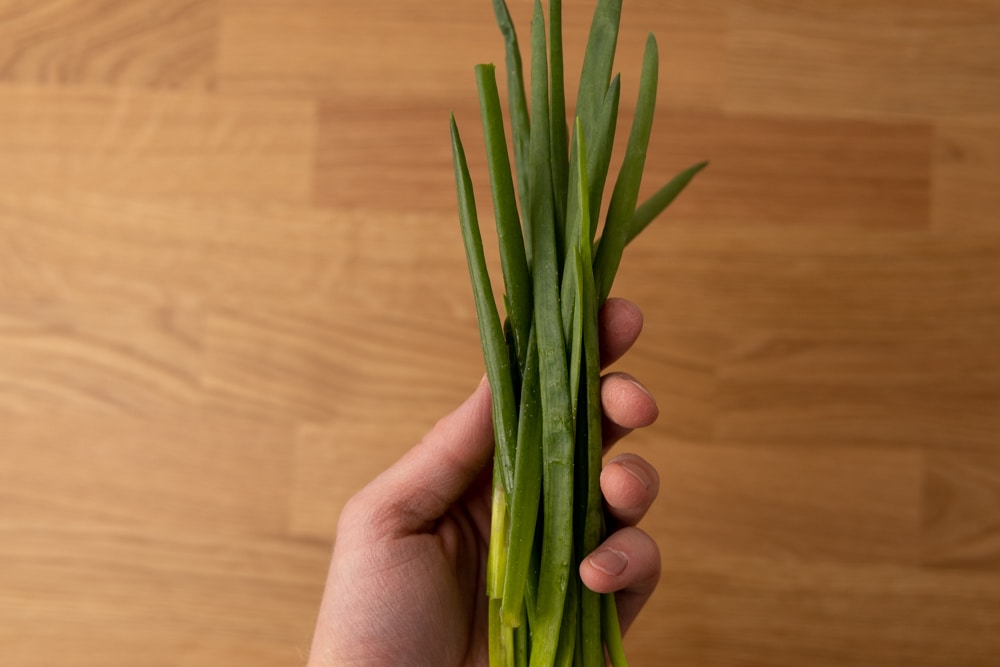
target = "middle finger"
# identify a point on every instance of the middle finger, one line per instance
(630, 484)
(627, 406)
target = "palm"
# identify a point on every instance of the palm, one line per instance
(443, 572)
(408, 573)
(417, 598)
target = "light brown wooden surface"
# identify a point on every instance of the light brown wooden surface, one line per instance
(232, 289)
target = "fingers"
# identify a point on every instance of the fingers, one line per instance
(630, 485)
(628, 564)
(422, 485)
(418, 489)
(627, 406)
(621, 323)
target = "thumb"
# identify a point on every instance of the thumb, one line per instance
(419, 488)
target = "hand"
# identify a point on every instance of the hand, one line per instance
(406, 582)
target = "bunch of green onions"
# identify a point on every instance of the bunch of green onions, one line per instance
(542, 361)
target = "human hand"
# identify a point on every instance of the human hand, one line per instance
(406, 581)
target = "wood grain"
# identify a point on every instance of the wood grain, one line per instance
(769, 612)
(962, 497)
(126, 141)
(169, 44)
(965, 193)
(765, 502)
(892, 58)
(232, 290)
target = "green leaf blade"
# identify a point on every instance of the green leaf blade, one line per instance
(517, 100)
(557, 424)
(626, 191)
(600, 145)
(513, 258)
(661, 199)
(558, 134)
(490, 329)
(598, 61)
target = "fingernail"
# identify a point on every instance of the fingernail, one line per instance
(650, 418)
(609, 561)
(637, 472)
(640, 387)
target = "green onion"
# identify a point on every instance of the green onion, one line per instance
(542, 361)
(626, 192)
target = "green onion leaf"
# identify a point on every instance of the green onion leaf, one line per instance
(513, 261)
(661, 199)
(598, 60)
(490, 330)
(517, 101)
(599, 152)
(543, 363)
(526, 492)
(626, 192)
(557, 425)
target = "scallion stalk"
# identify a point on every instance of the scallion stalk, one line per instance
(543, 362)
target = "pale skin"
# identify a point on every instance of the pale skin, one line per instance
(406, 581)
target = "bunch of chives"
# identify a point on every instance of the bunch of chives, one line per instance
(542, 359)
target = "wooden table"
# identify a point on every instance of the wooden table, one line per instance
(232, 290)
